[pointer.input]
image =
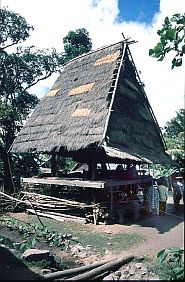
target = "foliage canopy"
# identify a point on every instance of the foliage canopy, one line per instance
(76, 43)
(20, 69)
(172, 38)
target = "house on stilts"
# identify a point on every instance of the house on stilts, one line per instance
(97, 112)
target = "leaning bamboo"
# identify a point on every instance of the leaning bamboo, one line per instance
(62, 214)
(109, 266)
(54, 198)
(70, 272)
(58, 217)
(14, 199)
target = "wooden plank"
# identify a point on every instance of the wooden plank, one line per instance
(83, 183)
(59, 217)
(64, 182)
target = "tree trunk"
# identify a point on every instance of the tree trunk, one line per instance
(7, 180)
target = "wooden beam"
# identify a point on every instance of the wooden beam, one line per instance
(109, 266)
(53, 163)
(83, 183)
(111, 202)
(59, 217)
(73, 271)
(93, 168)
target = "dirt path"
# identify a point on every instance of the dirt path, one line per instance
(160, 231)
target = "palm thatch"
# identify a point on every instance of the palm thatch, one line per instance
(97, 106)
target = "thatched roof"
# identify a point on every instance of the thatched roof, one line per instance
(97, 105)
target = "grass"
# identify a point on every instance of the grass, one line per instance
(99, 242)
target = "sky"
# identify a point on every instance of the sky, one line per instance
(106, 20)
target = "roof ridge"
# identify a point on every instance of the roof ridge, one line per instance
(93, 51)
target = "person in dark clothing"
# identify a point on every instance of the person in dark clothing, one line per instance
(177, 194)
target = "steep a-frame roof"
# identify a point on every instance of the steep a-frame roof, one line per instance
(96, 106)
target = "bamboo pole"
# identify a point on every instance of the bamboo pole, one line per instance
(58, 217)
(109, 266)
(54, 198)
(70, 272)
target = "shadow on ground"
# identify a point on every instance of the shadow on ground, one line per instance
(162, 223)
(12, 268)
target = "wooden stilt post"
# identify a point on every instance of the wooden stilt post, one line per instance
(93, 168)
(53, 164)
(111, 203)
(53, 172)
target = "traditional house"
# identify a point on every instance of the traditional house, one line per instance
(97, 108)
(96, 112)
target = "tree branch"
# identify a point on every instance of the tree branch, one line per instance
(39, 79)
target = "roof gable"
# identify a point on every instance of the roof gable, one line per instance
(74, 112)
(97, 102)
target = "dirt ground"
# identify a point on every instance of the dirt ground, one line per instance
(161, 232)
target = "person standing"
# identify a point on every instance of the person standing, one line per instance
(177, 194)
(163, 195)
(153, 199)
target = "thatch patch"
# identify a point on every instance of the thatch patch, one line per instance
(52, 92)
(81, 112)
(81, 89)
(107, 59)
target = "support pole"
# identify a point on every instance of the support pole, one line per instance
(111, 203)
(53, 164)
(93, 168)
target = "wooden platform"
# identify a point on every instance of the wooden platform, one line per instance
(100, 184)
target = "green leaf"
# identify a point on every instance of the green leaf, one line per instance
(171, 34)
(168, 49)
(151, 52)
(176, 249)
(167, 21)
(158, 48)
(162, 255)
(180, 274)
(23, 247)
(33, 242)
(161, 58)
(183, 49)
(177, 62)
(163, 39)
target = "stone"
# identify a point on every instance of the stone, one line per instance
(75, 238)
(82, 255)
(138, 276)
(108, 232)
(132, 271)
(36, 255)
(140, 258)
(118, 273)
(107, 252)
(144, 270)
(45, 271)
(109, 277)
(124, 272)
(138, 265)
(123, 277)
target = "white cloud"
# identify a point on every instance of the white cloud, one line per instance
(53, 19)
